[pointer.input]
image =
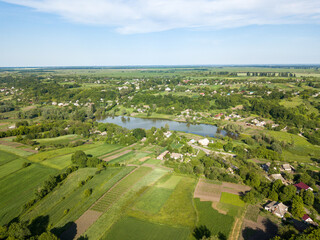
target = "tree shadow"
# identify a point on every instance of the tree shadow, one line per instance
(268, 230)
(39, 225)
(68, 231)
(222, 236)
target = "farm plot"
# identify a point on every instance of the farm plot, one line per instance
(69, 196)
(14, 150)
(216, 222)
(18, 188)
(233, 199)
(117, 157)
(6, 157)
(59, 140)
(11, 167)
(132, 228)
(115, 193)
(176, 210)
(119, 208)
(153, 200)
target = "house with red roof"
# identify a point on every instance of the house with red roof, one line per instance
(301, 186)
(307, 219)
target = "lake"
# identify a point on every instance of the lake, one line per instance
(132, 122)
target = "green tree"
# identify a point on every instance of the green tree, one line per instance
(308, 198)
(79, 158)
(297, 209)
(273, 195)
(228, 147)
(18, 231)
(201, 231)
(48, 236)
(139, 133)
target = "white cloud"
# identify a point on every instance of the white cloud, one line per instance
(141, 16)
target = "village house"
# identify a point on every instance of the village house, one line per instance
(168, 89)
(286, 167)
(278, 209)
(278, 177)
(176, 156)
(167, 134)
(307, 219)
(161, 156)
(204, 142)
(301, 186)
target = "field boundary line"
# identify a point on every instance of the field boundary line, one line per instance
(116, 151)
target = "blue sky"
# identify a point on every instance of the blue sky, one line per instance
(162, 32)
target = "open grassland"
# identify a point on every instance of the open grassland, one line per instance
(17, 151)
(69, 196)
(18, 188)
(231, 199)
(302, 151)
(11, 167)
(132, 228)
(115, 193)
(119, 208)
(177, 210)
(218, 224)
(252, 213)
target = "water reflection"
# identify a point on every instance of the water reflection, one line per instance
(131, 123)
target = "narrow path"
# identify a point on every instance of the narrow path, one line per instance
(236, 230)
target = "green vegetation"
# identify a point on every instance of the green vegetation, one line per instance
(231, 199)
(132, 228)
(216, 222)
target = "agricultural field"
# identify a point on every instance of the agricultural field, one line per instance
(18, 188)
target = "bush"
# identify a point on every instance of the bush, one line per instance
(87, 192)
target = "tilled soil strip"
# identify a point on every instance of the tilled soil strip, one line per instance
(107, 159)
(117, 151)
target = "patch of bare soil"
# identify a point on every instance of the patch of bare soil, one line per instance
(116, 152)
(207, 191)
(16, 144)
(234, 188)
(263, 229)
(144, 159)
(107, 159)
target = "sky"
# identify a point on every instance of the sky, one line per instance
(158, 32)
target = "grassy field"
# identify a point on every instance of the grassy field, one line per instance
(218, 224)
(252, 213)
(231, 199)
(18, 188)
(132, 228)
(124, 158)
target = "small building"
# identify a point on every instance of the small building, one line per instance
(278, 209)
(176, 156)
(167, 134)
(301, 186)
(161, 156)
(168, 89)
(278, 177)
(192, 141)
(266, 166)
(204, 142)
(287, 167)
(307, 219)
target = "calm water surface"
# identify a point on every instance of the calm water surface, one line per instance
(131, 123)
